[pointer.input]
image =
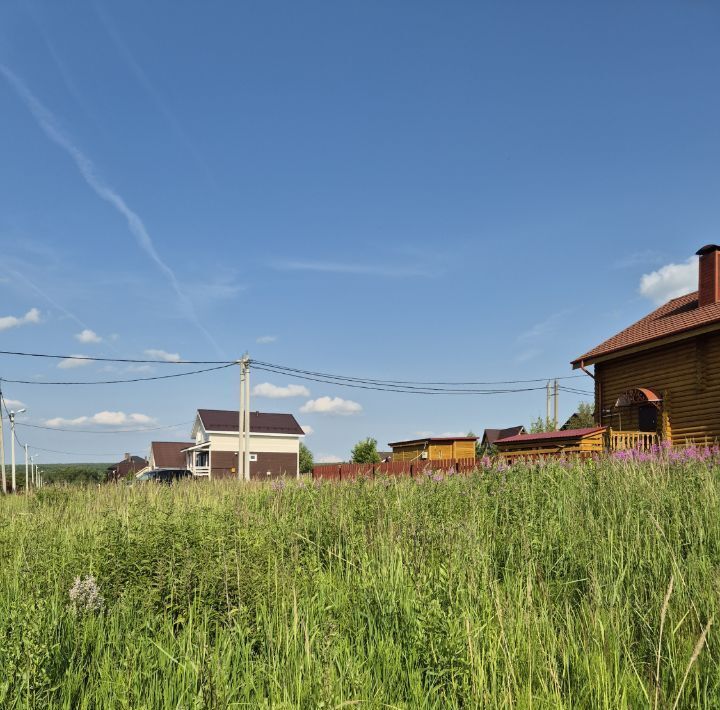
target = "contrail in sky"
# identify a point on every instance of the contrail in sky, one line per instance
(154, 94)
(47, 122)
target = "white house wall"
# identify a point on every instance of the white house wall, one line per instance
(258, 443)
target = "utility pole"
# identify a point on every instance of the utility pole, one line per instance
(547, 405)
(241, 421)
(246, 448)
(27, 470)
(556, 392)
(243, 469)
(11, 416)
(2, 448)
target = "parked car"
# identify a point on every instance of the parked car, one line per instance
(164, 475)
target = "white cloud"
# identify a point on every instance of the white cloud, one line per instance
(139, 368)
(74, 361)
(329, 458)
(266, 389)
(163, 355)
(105, 418)
(264, 339)
(331, 405)
(14, 403)
(670, 281)
(7, 322)
(88, 336)
(307, 429)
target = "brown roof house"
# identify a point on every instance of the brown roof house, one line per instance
(490, 436)
(274, 445)
(168, 454)
(660, 377)
(129, 466)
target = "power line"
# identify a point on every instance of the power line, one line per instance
(279, 369)
(68, 453)
(117, 382)
(111, 359)
(368, 380)
(107, 431)
(402, 389)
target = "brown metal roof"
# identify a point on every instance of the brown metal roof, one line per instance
(432, 439)
(492, 435)
(552, 435)
(677, 316)
(169, 454)
(260, 422)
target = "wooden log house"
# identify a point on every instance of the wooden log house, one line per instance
(660, 377)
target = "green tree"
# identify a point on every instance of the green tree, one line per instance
(541, 424)
(584, 417)
(365, 451)
(306, 459)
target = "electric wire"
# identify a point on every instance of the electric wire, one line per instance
(368, 380)
(118, 382)
(98, 431)
(115, 359)
(405, 389)
(278, 369)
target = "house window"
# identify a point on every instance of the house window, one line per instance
(253, 457)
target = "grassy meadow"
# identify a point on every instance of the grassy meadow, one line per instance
(563, 586)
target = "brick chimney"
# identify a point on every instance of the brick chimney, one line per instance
(709, 275)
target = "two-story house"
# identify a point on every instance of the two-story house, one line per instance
(274, 444)
(660, 377)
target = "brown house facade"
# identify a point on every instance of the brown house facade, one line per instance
(660, 378)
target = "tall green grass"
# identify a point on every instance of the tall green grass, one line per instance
(535, 587)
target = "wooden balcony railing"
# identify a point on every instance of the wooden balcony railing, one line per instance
(620, 440)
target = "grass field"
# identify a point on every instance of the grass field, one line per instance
(534, 587)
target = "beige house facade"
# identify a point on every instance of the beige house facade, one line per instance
(274, 445)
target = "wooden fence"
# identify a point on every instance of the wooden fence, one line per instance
(351, 471)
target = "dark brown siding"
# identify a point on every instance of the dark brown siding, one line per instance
(279, 465)
(685, 374)
(276, 465)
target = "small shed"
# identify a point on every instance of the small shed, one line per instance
(570, 442)
(434, 448)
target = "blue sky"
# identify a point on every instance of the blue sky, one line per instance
(401, 190)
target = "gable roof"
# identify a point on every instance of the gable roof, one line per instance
(129, 462)
(169, 454)
(260, 422)
(490, 436)
(677, 316)
(552, 435)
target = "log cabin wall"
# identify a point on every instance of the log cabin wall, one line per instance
(686, 374)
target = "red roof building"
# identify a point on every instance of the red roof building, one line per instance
(660, 377)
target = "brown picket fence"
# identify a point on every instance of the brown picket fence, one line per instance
(351, 471)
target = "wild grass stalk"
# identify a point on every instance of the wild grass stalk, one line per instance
(529, 587)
